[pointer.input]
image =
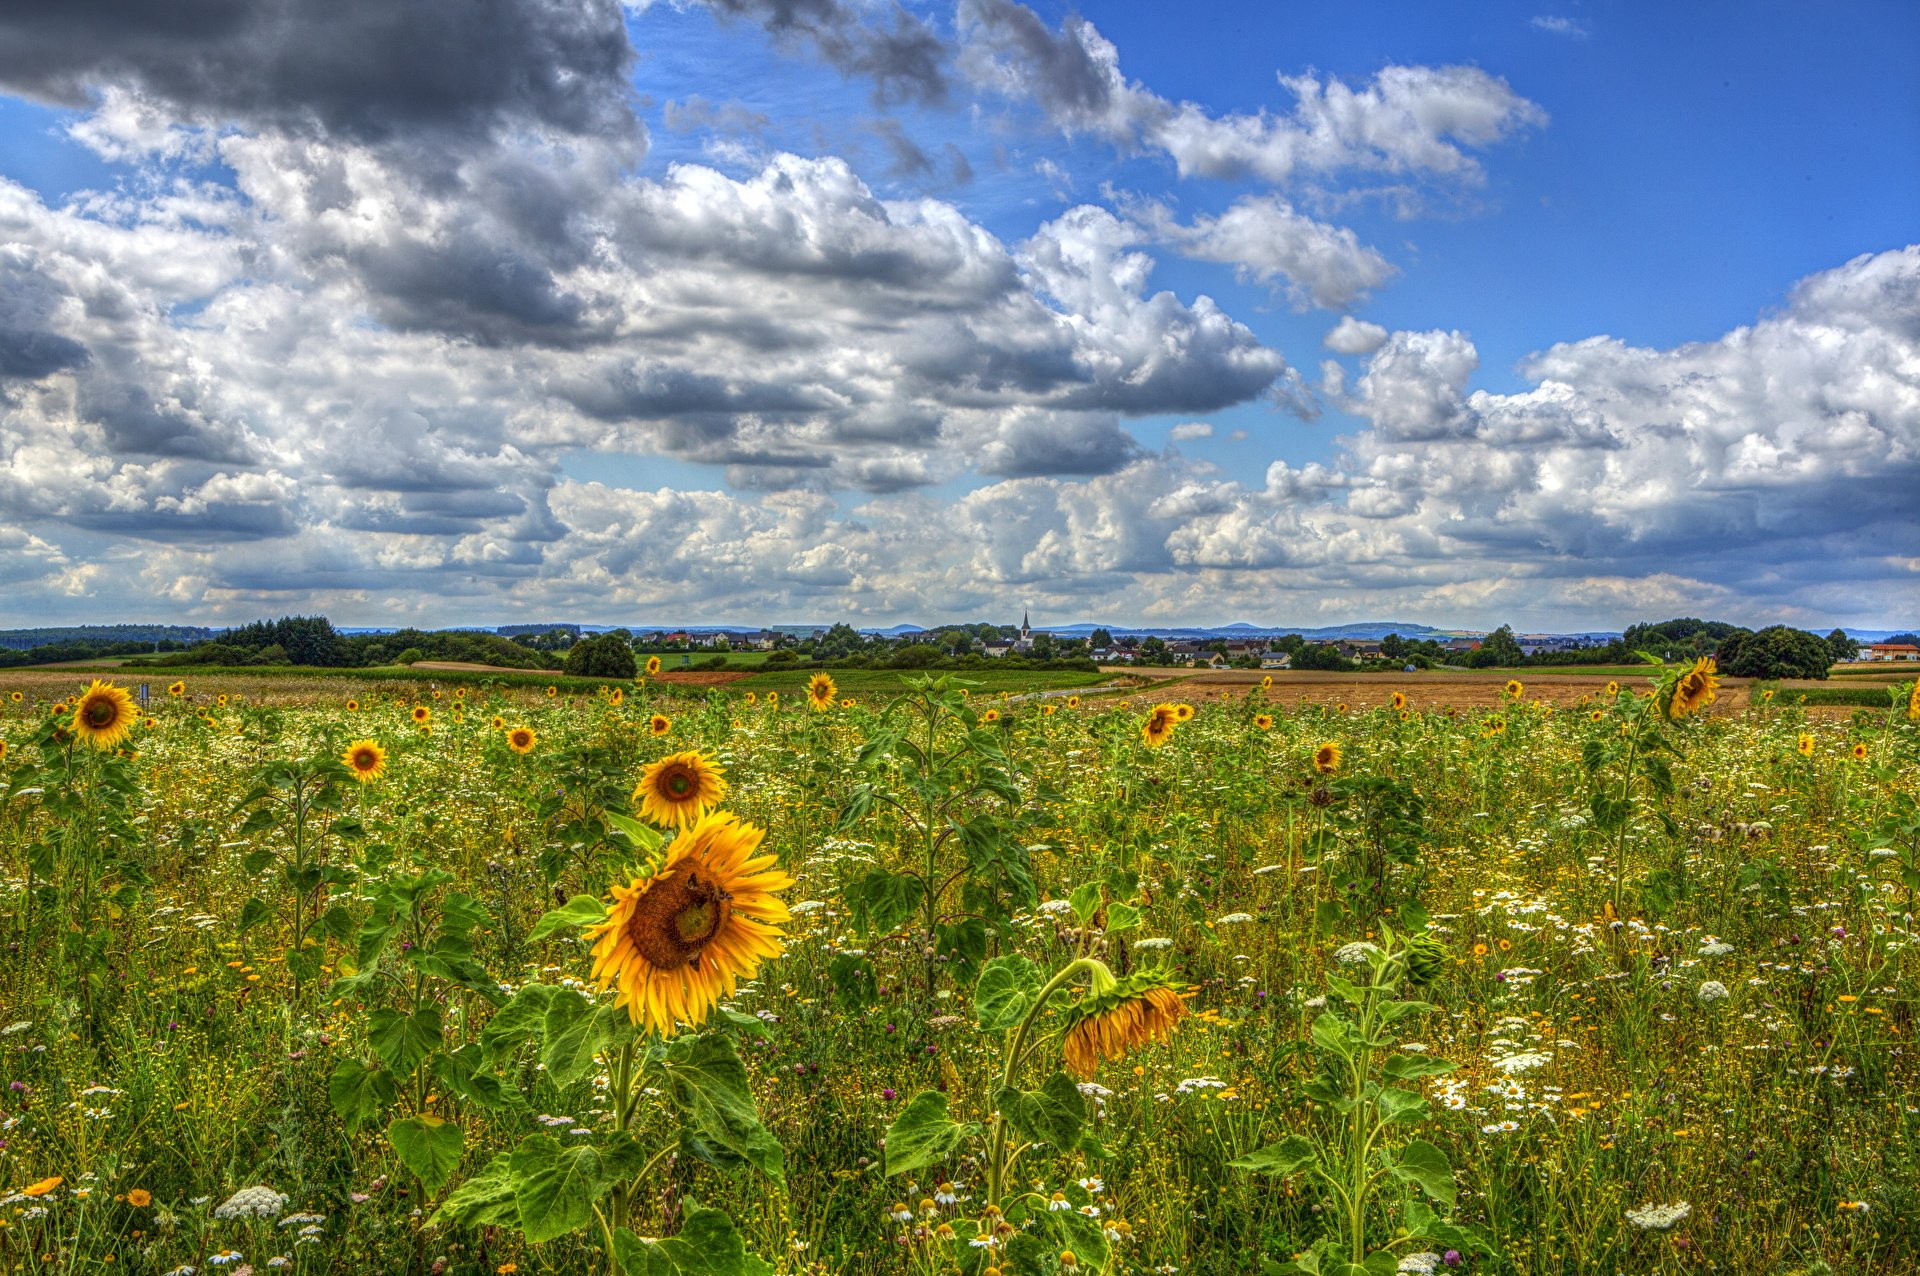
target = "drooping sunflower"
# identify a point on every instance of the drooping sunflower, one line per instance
(522, 739)
(1696, 689)
(821, 692)
(1326, 758)
(1158, 728)
(679, 789)
(366, 759)
(1399, 700)
(1126, 1015)
(659, 724)
(653, 665)
(1515, 687)
(177, 689)
(422, 714)
(1804, 744)
(1494, 726)
(104, 714)
(679, 939)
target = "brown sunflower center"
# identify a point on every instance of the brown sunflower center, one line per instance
(365, 760)
(100, 713)
(679, 916)
(677, 783)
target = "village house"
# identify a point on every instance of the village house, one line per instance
(1882, 651)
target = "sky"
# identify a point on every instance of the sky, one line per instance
(1563, 315)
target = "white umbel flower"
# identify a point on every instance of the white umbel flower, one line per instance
(1711, 991)
(1658, 1218)
(252, 1202)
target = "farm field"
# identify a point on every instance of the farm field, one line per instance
(1422, 972)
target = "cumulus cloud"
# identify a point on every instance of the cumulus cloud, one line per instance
(1265, 239)
(893, 48)
(1354, 336)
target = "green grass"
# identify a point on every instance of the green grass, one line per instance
(1862, 697)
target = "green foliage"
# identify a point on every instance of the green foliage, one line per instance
(604, 656)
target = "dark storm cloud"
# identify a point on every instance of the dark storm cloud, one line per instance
(904, 59)
(367, 69)
(29, 354)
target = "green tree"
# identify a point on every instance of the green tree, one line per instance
(1503, 647)
(1778, 651)
(606, 656)
(1842, 647)
(1099, 639)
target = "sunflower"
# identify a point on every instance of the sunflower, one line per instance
(436, 693)
(1126, 1015)
(221, 700)
(3, 750)
(366, 759)
(653, 665)
(679, 939)
(1326, 758)
(552, 692)
(1805, 745)
(680, 788)
(422, 714)
(991, 715)
(1399, 700)
(522, 739)
(773, 698)
(1158, 729)
(1048, 710)
(751, 698)
(1860, 752)
(1597, 715)
(353, 706)
(104, 714)
(1266, 683)
(1182, 712)
(459, 693)
(659, 724)
(848, 703)
(1073, 702)
(1913, 702)
(1768, 695)
(499, 723)
(821, 691)
(1494, 726)
(1515, 687)
(1696, 689)
(1263, 720)
(177, 689)
(616, 697)
(1613, 688)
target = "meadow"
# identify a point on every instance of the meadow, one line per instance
(491, 975)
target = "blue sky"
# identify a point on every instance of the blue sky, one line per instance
(693, 311)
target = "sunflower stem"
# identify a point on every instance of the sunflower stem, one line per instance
(997, 1160)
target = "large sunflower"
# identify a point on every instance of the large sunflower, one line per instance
(366, 759)
(679, 789)
(1696, 689)
(522, 739)
(821, 691)
(1326, 758)
(1158, 729)
(678, 940)
(104, 714)
(1131, 1013)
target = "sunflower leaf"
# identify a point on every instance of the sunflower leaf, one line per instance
(1052, 1114)
(1006, 992)
(359, 1091)
(427, 1146)
(556, 1185)
(574, 1031)
(402, 1040)
(645, 839)
(581, 910)
(485, 1200)
(923, 1134)
(1426, 1167)
(708, 1245)
(709, 1085)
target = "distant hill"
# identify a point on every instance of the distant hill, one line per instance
(27, 639)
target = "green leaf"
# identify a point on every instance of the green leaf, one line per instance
(1426, 1167)
(1395, 1011)
(485, 1200)
(1085, 901)
(252, 913)
(706, 1081)
(923, 1134)
(1052, 1114)
(881, 900)
(359, 1092)
(581, 910)
(337, 924)
(708, 1245)
(1006, 992)
(522, 1018)
(646, 840)
(1121, 917)
(429, 1147)
(1290, 1155)
(853, 980)
(460, 913)
(556, 1185)
(1402, 1106)
(402, 1040)
(1408, 1067)
(574, 1033)
(1330, 1032)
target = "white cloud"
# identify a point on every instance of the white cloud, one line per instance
(1187, 431)
(1570, 27)
(1265, 239)
(1354, 336)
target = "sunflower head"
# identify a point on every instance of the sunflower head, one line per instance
(177, 689)
(773, 698)
(1120, 1015)
(679, 789)
(353, 706)
(820, 691)
(522, 739)
(1613, 688)
(1399, 700)
(1263, 720)
(752, 698)
(499, 723)
(680, 938)
(1913, 702)
(366, 759)
(1805, 744)
(848, 703)
(1048, 710)
(1515, 687)
(1073, 702)
(422, 714)
(653, 665)
(221, 700)
(1158, 728)
(1266, 682)
(616, 696)
(104, 714)
(1182, 712)
(1860, 752)
(991, 715)
(1695, 689)
(1326, 758)
(1768, 695)
(1494, 726)
(659, 724)
(552, 692)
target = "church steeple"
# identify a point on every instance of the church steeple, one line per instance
(1025, 628)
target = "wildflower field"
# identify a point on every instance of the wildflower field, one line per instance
(920, 977)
